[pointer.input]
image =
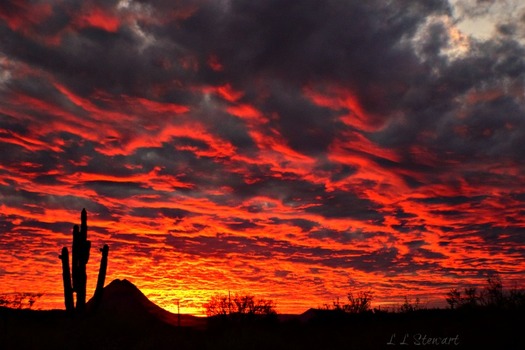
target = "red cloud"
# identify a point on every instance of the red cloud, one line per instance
(98, 18)
(228, 93)
(22, 16)
(215, 64)
(338, 98)
(162, 107)
(245, 111)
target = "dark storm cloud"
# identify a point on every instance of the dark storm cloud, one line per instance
(141, 240)
(93, 57)
(12, 154)
(240, 224)
(340, 204)
(492, 128)
(223, 246)
(115, 189)
(9, 125)
(323, 39)
(379, 260)
(60, 227)
(428, 254)
(233, 130)
(345, 237)
(18, 198)
(316, 41)
(294, 191)
(6, 222)
(493, 233)
(68, 201)
(337, 171)
(220, 246)
(520, 196)
(386, 260)
(407, 227)
(282, 273)
(458, 214)
(319, 44)
(185, 165)
(400, 213)
(452, 200)
(308, 128)
(303, 224)
(157, 212)
(36, 202)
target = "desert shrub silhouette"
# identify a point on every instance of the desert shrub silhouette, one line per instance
(409, 305)
(240, 308)
(359, 302)
(493, 296)
(19, 300)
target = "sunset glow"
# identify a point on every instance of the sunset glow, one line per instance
(297, 153)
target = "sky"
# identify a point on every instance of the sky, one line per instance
(294, 150)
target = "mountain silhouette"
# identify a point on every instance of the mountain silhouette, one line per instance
(123, 300)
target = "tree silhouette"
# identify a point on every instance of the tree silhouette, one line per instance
(409, 305)
(19, 300)
(453, 298)
(239, 307)
(493, 295)
(357, 303)
(360, 302)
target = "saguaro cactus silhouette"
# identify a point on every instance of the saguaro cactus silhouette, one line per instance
(81, 248)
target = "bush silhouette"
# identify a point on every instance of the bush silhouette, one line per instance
(357, 303)
(494, 296)
(239, 307)
(19, 300)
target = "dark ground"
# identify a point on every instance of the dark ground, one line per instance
(423, 329)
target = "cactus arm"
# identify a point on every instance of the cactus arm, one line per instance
(101, 275)
(66, 278)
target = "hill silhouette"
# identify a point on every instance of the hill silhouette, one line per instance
(124, 319)
(122, 299)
